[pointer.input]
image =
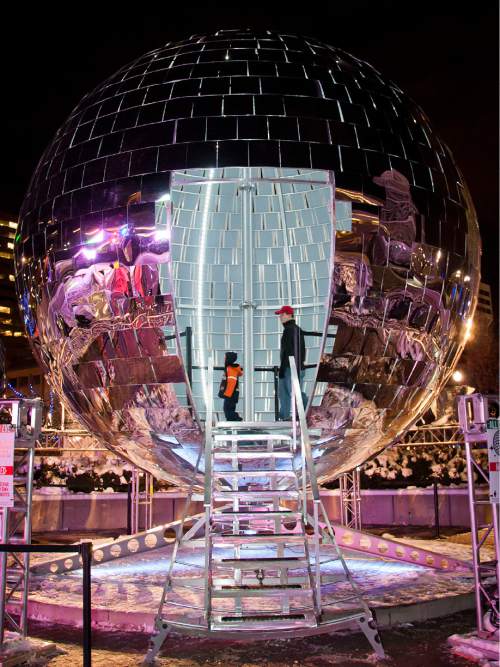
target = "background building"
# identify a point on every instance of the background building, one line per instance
(484, 309)
(479, 362)
(21, 369)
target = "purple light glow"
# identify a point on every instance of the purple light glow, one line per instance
(89, 253)
(97, 238)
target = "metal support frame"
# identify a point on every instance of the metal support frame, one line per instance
(247, 305)
(430, 434)
(350, 499)
(141, 499)
(85, 558)
(16, 521)
(259, 514)
(473, 415)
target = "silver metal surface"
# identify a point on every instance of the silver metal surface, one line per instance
(132, 230)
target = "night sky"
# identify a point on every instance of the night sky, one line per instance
(446, 60)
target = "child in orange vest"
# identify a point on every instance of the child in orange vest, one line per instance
(229, 387)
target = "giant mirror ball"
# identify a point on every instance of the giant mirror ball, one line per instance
(203, 186)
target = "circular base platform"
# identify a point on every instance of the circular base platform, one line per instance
(126, 592)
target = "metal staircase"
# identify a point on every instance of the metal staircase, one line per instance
(260, 574)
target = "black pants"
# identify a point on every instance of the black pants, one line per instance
(230, 408)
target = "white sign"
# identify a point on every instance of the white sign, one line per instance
(494, 459)
(7, 439)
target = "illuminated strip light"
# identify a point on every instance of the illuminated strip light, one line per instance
(17, 393)
(201, 282)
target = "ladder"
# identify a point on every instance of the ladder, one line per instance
(260, 575)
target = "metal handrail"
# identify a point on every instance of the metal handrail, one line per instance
(317, 503)
(208, 486)
(307, 466)
(304, 433)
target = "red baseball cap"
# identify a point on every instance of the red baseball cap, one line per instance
(288, 310)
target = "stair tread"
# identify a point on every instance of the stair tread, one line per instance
(253, 425)
(275, 537)
(258, 514)
(261, 563)
(254, 454)
(254, 473)
(261, 426)
(258, 493)
(252, 437)
(264, 622)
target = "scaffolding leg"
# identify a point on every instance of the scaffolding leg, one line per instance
(350, 499)
(369, 628)
(162, 630)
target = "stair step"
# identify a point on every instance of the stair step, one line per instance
(14, 572)
(264, 426)
(259, 591)
(15, 540)
(264, 622)
(249, 455)
(263, 563)
(221, 474)
(261, 494)
(219, 583)
(261, 538)
(261, 426)
(252, 437)
(242, 514)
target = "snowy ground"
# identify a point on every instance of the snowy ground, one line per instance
(422, 645)
(134, 583)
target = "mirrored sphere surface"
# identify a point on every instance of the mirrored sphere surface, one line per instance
(210, 182)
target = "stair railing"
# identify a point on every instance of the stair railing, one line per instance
(207, 498)
(307, 466)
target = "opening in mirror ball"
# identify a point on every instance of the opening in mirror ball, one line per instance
(210, 182)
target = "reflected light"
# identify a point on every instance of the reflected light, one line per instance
(89, 253)
(162, 235)
(165, 197)
(201, 283)
(457, 376)
(97, 238)
(468, 329)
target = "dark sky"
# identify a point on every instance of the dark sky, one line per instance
(444, 56)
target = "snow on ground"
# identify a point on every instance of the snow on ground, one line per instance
(408, 645)
(135, 582)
